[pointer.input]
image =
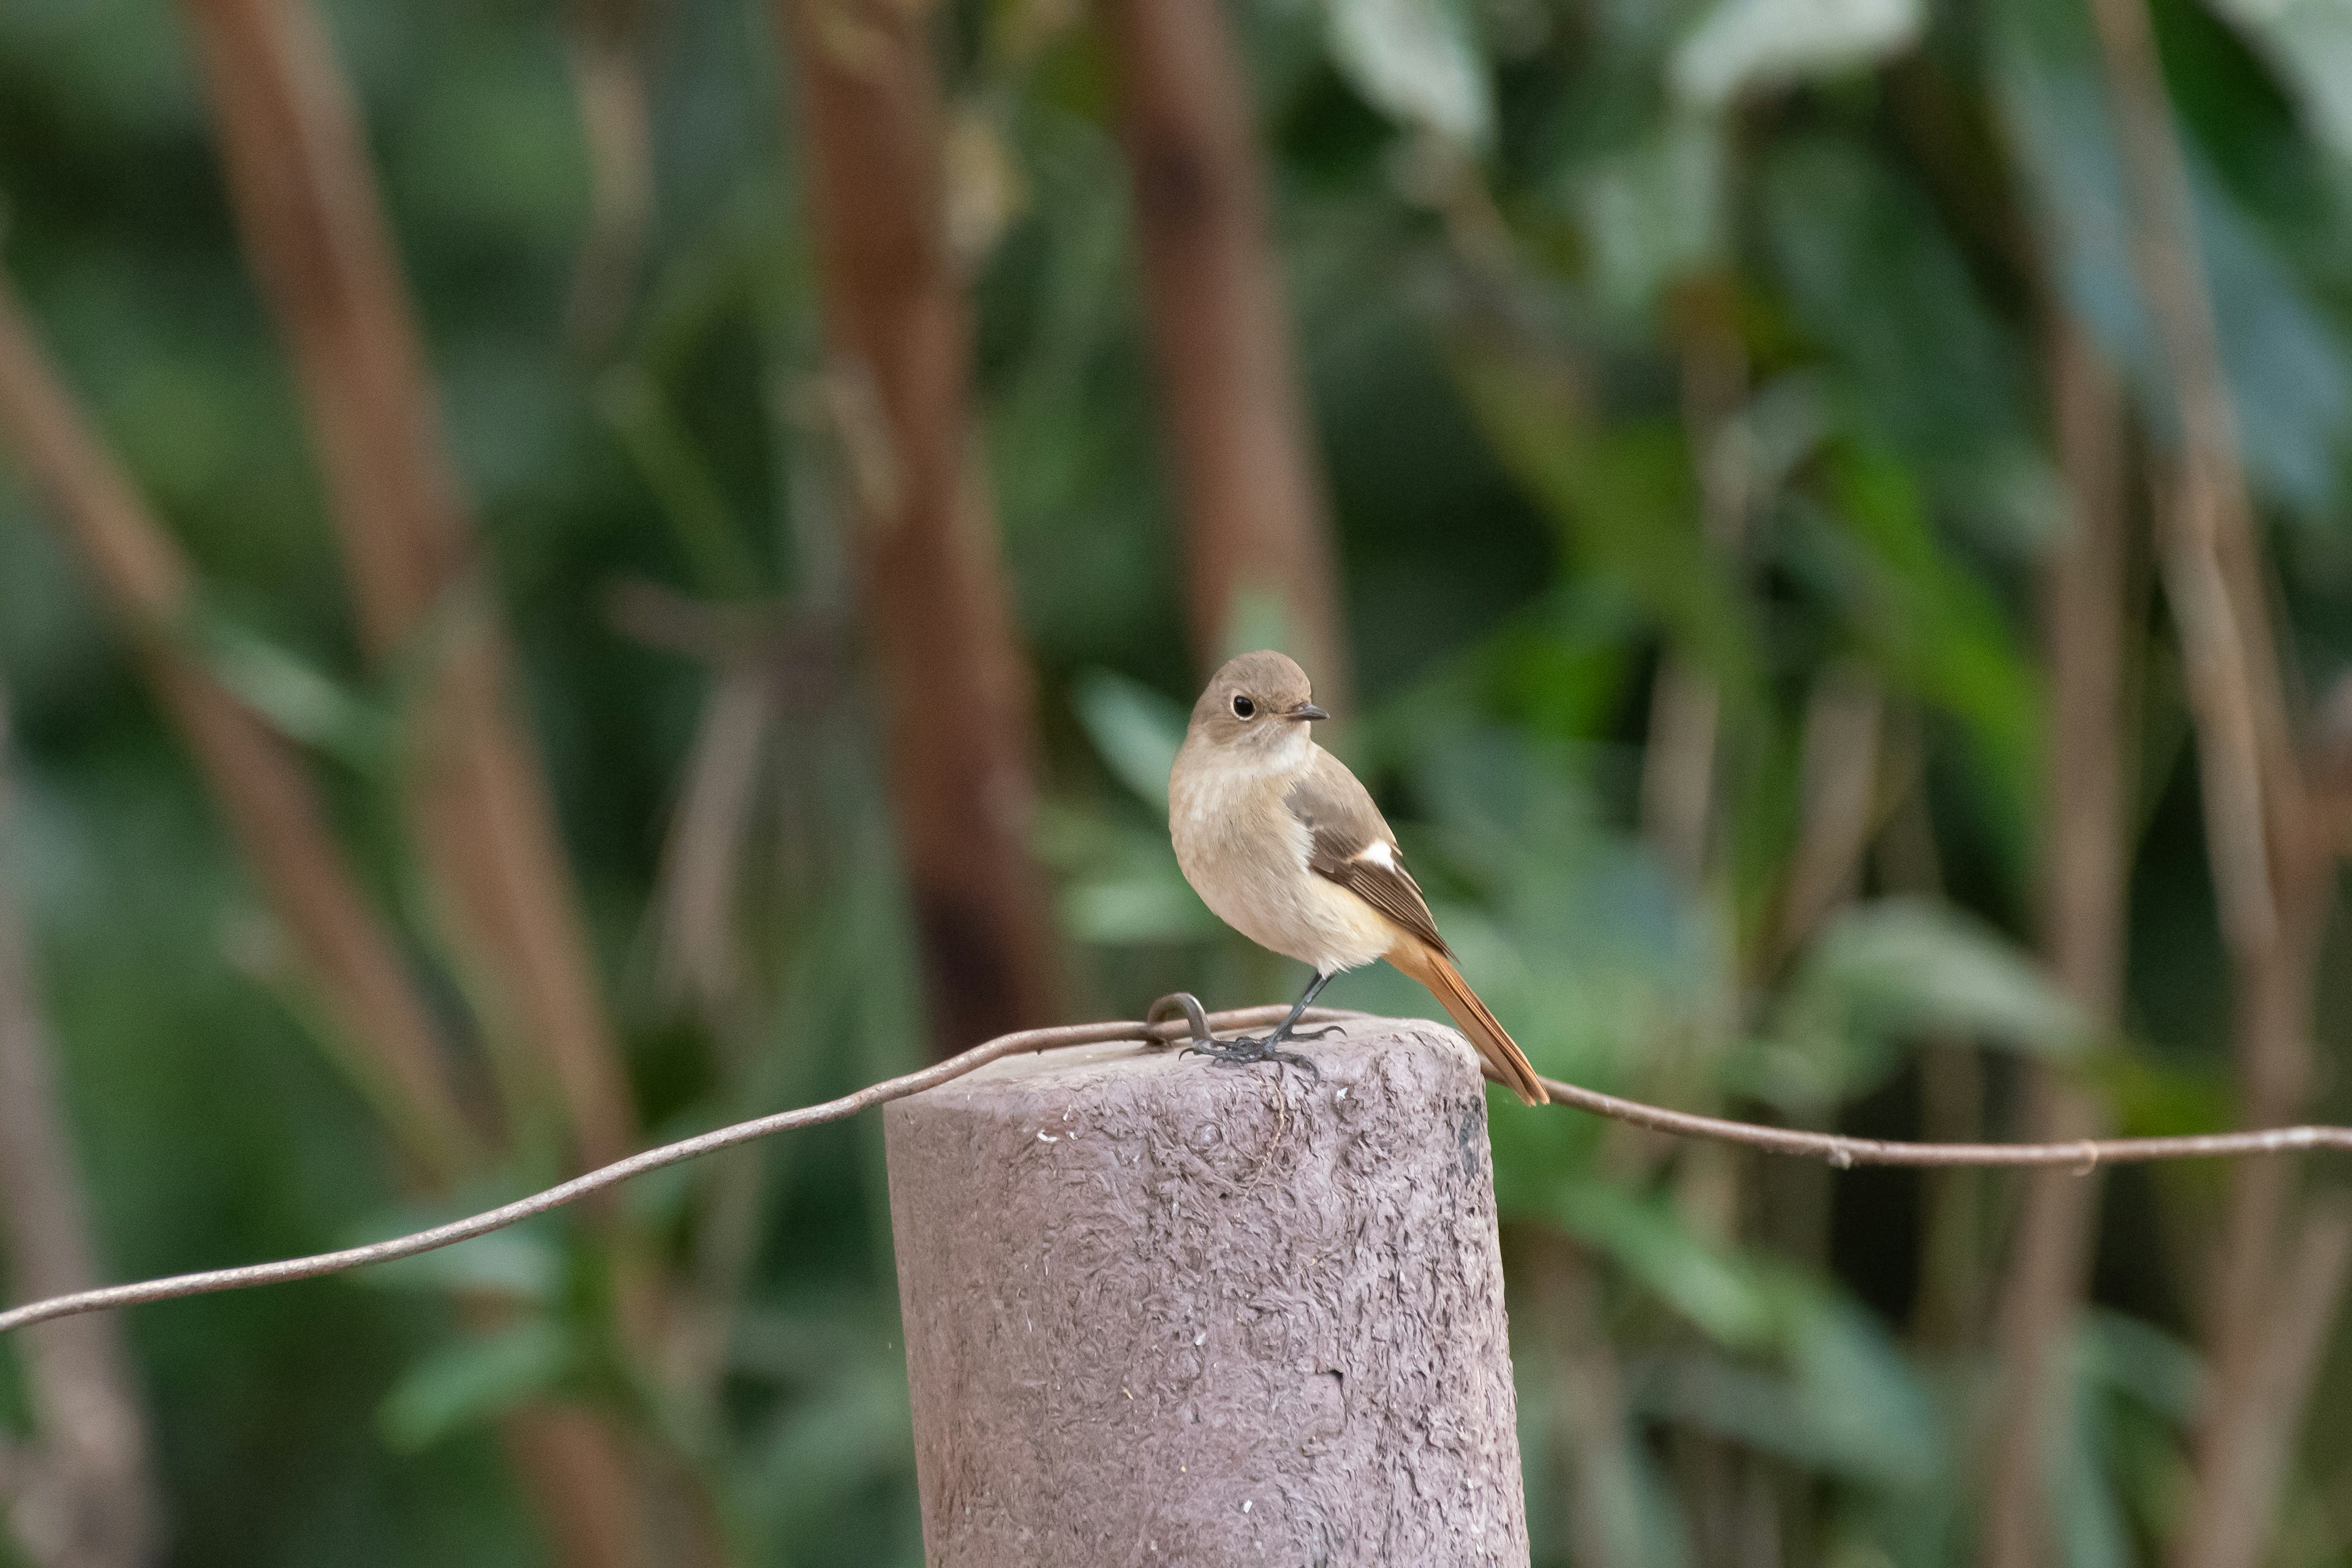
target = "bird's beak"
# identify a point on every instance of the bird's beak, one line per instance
(1308, 711)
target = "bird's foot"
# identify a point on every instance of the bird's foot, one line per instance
(1246, 1052)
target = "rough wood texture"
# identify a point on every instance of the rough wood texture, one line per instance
(1160, 1312)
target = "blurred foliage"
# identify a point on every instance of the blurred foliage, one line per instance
(1509, 226)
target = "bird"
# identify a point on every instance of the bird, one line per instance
(1284, 844)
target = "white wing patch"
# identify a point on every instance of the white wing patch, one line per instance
(1378, 854)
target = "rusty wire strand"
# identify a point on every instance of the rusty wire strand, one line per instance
(2083, 1154)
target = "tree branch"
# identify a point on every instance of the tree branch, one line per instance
(1834, 1149)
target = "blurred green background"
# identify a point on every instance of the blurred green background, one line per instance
(1562, 275)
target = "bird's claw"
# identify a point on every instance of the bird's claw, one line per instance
(1247, 1052)
(1242, 1051)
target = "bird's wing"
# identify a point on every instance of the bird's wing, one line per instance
(1350, 844)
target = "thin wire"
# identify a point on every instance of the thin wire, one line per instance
(596, 1181)
(2084, 1154)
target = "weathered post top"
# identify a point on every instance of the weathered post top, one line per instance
(1161, 1312)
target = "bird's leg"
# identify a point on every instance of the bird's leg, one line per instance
(1244, 1050)
(1283, 1031)
(1288, 1028)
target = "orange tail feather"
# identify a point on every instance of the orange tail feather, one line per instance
(1506, 1063)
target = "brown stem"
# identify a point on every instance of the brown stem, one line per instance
(696, 953)
(257, 782)
(956, 683)
(2273, 871)
(79, 1494)
(583, 1488)
(2083, 875)
(2273, 1020)
(2170, 266)
(314, 232)
(1678, 764)
(616, 128)
(1257, 523)
(2247, 1460)
(260, 786)
(1839, 800)
(1588, 1406)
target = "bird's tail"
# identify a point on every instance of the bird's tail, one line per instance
(1506, 1063)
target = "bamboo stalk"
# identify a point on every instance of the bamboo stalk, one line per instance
(616, 126)
(1844, 715)
(582, 1487)
(2267, 840)
(1256, 522)
(1593, 1460)
(2084, 877)
(1679, 762)
(2251, 1459)
(256, 782)
(955, 681)
(315, 234)
(77, 1493)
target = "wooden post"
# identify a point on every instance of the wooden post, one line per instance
(1163, 1311)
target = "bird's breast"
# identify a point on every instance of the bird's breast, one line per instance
(1245, 854)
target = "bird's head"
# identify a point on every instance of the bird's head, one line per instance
(1261, 703)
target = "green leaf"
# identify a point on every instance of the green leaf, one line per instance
(2142, 1361)
(1120, 911)
(294, 695)
(1136, 730)
(523, 1263)
(1656, 213)
(821, 1447)
(1645, 1236)
(1625, 498)
(1930, 623)
(1844, 1400)
(1120, 882)
(1907, 968)
(1744, 46)
(1417, 61)
(2289, 368)
(1872, 274)
(2309, 44)
(472, 1381)
(678, 473)
(1867, 1409)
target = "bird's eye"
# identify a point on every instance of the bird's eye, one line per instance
(1244, 709)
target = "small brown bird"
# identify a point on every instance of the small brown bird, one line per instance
(1283, 842)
